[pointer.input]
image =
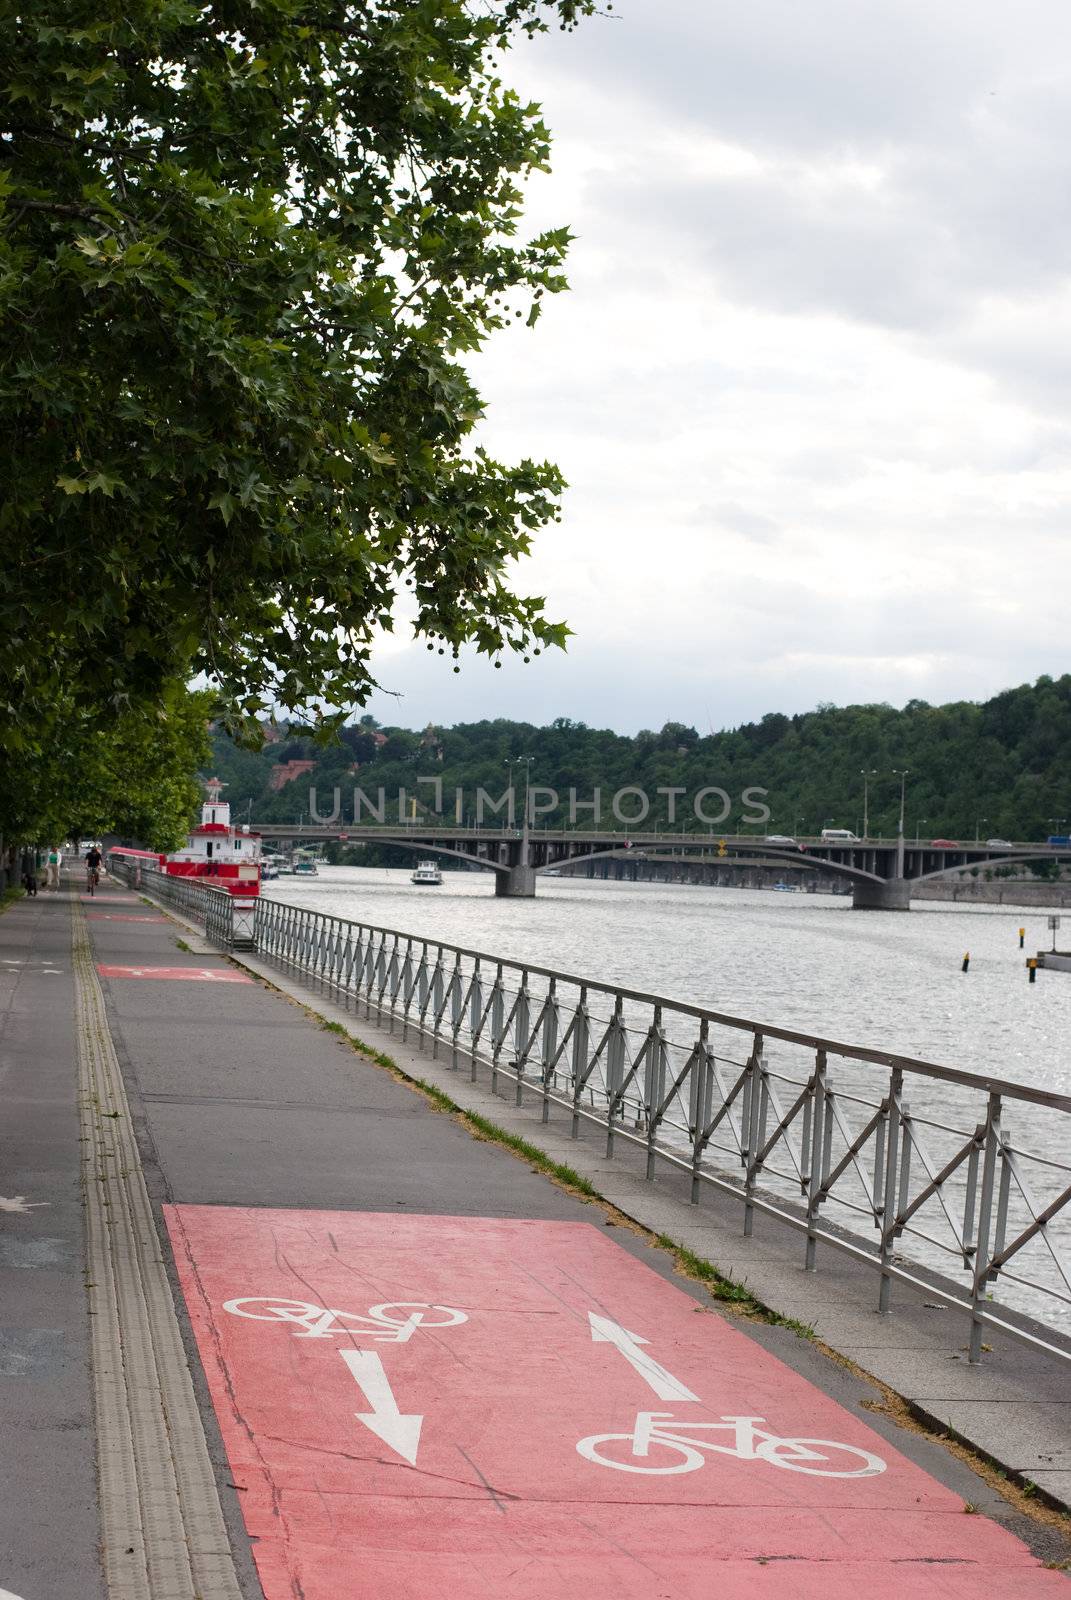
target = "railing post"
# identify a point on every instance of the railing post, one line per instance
(757, 1109)
(521, 1019)
(615, 1069)
(700, 1102)
(654, 1085)
(495, 1025)
(549, 1044)
(813, 1123)
(457, 1003)
(985, 1215)
(475, 1014)
(581, 1036)
(422, 990)
(890, 1186)
(436, 1001)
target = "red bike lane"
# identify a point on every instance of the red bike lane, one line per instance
(424, 1405)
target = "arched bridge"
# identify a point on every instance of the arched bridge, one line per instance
(881, 871)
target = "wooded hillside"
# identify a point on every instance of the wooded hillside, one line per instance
(1000, 768)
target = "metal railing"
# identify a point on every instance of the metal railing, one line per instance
(212, 909)
(867, 1152)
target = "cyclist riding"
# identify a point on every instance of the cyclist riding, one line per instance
(93, 861)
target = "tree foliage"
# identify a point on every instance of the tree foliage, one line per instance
(132, 776)
(245, 251)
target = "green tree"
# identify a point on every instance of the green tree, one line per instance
(244, 253)
(133, 776)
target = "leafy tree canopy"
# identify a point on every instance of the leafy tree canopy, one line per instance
(132, 775)
(245, 250)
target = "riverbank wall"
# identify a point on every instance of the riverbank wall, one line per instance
(998, 892)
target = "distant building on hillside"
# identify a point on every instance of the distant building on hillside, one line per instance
(286, 772)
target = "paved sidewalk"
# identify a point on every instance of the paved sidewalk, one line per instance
(417, 1360)
(47, 1439)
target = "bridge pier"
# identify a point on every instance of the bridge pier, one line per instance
(517, 883)
(892, 895)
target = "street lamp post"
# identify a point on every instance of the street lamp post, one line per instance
(978, 829)
(901, 773)
(526, 762)
(867, 773)
(919, 825)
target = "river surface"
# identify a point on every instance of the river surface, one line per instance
(805, 962)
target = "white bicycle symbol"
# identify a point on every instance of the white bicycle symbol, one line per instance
(652, 1447)
(388, 1324)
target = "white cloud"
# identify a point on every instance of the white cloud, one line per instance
(811, 387)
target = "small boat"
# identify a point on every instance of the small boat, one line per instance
(427, 872)
(305, 869)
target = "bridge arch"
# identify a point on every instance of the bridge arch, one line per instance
(1005, 858)
(766, 858)
(421, 847)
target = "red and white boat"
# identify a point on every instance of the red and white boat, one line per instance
(223, 856)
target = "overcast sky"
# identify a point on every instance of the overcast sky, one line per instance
(811, 386)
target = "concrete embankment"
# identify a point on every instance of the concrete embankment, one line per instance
(998, 892)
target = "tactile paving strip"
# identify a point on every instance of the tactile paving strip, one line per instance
(163, 1531)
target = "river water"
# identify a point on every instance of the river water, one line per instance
(807, 962)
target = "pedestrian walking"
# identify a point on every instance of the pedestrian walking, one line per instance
(53, 866)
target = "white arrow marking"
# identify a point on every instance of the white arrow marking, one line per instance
(20, 1203)
(664, 1384)
(385, 1420)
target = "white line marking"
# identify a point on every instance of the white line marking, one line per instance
(20, 1203)
(401, 1433)
(664, 1384)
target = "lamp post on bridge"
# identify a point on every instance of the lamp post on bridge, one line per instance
(867, 773)
(526, 762)
(902, 774)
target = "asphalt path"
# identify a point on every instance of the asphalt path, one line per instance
(49, 1527)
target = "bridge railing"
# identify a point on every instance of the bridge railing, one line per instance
(212, 909)
(948, 1181)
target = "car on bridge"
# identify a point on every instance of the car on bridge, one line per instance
(945, 844)
(780, 838)
(1060, 840)
(999, 844)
